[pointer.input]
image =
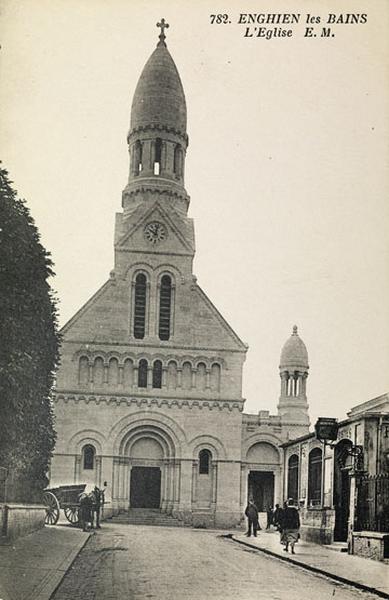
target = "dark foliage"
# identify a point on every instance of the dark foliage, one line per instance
(29, 343)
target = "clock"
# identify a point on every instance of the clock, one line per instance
(155, 232)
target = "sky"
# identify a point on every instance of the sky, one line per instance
(287, 168)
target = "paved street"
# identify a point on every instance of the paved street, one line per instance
(135, 562)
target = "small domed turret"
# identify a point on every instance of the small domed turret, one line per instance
(294, 353)
(294, 372)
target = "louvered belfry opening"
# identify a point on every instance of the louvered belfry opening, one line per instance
(140, 306)
(165, 302)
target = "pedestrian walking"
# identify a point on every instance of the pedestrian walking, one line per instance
(269, 515)
(251, 513)
(290, 526)
(277, 516)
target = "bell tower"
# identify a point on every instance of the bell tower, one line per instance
(157, 139)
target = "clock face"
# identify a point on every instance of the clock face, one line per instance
(155, 232)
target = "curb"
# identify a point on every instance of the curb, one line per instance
(313, 569)
(53, 579)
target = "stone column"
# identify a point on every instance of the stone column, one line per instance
(121, 374)
(77, 468)
(214, 485)
(115, 484)
(243, 486)
(149, 376)
(179, 376)
(195, 468)
(98, 471)
(277, 486)
(147, 166)
(164, 377)
(169, 487)
(194, 371)
(135, 372)
(106, 373)
(164, 481)
(208, 379)
(172, 308)
(149, 312)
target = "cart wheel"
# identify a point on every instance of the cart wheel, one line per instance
(71, 513)
(52, 508)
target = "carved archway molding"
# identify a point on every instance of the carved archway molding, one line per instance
(208, 442)
(84, 437)
(258, 438)
(161, 425)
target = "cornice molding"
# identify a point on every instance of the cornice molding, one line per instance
(140, 402)
(157, 127)
(169, 345)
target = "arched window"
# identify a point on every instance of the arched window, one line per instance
(140, 306)
(165, 305)
(186, 376)
(137, 157)
(157, 156)
(293, 477)
(205, 458)
(157, 374)
(142, 373)
(314, 476)
(88, 454)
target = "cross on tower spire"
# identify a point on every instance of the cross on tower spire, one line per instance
(163, 25)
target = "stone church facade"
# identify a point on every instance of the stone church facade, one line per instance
(149, 391)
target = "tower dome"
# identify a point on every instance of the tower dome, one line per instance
(294, 353)
(159, 98)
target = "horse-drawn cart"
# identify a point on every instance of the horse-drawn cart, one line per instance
(65, 497)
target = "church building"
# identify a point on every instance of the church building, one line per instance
(149, 391)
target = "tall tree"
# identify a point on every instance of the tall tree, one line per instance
(29, 345)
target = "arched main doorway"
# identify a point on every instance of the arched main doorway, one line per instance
(263, 465)
(342, 466)
(145, 481)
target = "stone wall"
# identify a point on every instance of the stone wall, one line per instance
(17, 520)
(317, 525)
(370, 544)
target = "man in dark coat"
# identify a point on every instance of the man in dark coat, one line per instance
(277, 517)
(98, 502)
(251, 513)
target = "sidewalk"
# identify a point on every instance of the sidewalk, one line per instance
(363, 573)
(32, 567)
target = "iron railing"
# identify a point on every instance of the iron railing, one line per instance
(372, 512)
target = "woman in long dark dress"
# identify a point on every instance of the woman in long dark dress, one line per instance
(290, 526)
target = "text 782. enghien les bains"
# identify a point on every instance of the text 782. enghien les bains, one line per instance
(284, 25)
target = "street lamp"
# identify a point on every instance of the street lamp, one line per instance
(326, 429)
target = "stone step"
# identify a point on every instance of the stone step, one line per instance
(337, 546)
(142, 516)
